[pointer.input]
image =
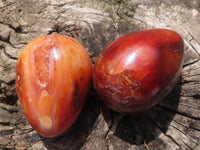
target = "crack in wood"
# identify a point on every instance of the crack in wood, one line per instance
(8, 55)
(185, 134)
(189, 64)
(197, 108)
(8, 5)
(164, 133)
(169, 136)
(177, 112)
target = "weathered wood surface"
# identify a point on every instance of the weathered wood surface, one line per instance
(172, 124)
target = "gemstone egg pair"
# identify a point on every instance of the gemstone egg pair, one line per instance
(132, 74)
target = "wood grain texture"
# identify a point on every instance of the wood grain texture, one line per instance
(173, 124)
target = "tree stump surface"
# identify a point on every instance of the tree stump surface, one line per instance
(173, 124)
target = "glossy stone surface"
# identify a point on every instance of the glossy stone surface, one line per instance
(52, 79)
(139, 69)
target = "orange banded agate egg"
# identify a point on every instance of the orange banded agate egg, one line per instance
(53, 77)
